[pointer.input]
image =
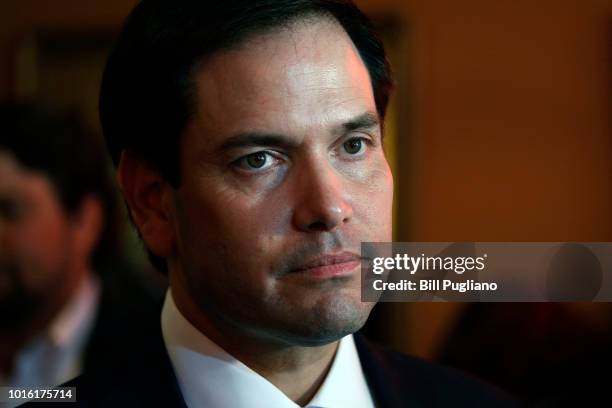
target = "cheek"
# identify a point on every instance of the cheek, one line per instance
(232, 231)
(39, 249)
(375, 204)
(36, 241)
(227, 248)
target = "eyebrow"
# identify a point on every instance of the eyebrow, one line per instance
(252, 139)
(366, 120)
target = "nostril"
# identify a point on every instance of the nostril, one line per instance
(318, 226)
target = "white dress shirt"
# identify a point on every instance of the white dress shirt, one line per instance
(56, 355)
(210, 377)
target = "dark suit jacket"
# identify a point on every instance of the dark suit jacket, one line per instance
(123, 318)
(145, 378)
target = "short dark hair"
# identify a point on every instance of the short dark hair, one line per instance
(57, 144)
(147, 95)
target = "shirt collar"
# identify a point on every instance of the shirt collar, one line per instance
(209, 376)
(74, 319)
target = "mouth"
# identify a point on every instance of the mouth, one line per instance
(326, 266)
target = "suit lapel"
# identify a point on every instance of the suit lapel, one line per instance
(389, 379)
(143, 376)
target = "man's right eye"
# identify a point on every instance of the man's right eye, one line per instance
(257, 161)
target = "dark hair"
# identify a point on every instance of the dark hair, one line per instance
(57, 144)
(147, 94)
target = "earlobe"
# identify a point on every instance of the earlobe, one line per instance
(144, 190)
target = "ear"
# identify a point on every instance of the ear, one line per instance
(89, 221)
(149, 198)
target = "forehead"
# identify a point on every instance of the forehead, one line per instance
(293, 79)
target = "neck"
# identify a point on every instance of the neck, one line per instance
(296, 370)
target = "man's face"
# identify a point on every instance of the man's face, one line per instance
(35, 242)
(283, 176)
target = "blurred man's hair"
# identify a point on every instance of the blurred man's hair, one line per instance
(57, 145)
(148, 92)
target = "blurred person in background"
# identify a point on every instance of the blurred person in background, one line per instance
(61, 307)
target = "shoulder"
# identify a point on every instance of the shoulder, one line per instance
(94, 391)
(132, 372)
(149, 385)
(397, 379)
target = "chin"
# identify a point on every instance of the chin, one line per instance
(325, 322)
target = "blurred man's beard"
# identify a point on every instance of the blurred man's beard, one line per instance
(17, 304)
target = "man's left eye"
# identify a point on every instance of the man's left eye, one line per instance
(354, 146)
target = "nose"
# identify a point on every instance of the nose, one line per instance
(322, 203)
